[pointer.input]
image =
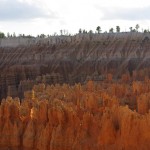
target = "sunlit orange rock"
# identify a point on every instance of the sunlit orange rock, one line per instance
(78, 117)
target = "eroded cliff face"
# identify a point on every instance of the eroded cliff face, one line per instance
(105, 115)
(70, 59)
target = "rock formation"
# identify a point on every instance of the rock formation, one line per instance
(91, 116)
(72, 59)
(62, 108)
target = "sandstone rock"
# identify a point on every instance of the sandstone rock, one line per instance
(29, 135)
(76, 117)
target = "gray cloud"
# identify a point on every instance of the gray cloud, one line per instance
(125, 13)
(14, 10)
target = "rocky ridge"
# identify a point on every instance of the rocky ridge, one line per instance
(70, 59)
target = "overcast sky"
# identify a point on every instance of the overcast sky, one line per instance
(49, 16)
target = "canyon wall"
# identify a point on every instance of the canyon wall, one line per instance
(70, 59)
